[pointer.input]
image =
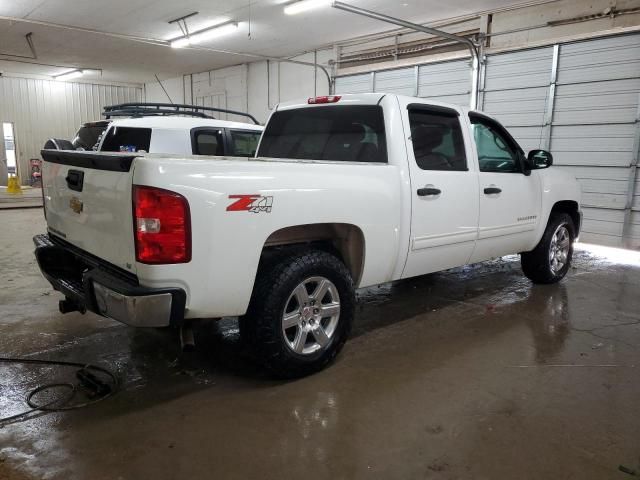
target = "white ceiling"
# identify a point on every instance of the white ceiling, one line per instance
(272, 32)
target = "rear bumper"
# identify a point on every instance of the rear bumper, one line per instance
(103, 289)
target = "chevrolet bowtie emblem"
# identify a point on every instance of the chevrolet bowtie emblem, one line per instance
(76, 204)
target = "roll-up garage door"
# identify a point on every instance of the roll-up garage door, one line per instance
(595, 133)
(587, 114)
(590, 122)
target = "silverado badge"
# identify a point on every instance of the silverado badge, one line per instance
(76, 204)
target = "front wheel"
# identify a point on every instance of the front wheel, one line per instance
(549, 262)
(300, 313)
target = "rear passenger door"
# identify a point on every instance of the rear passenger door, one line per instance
(444, 189)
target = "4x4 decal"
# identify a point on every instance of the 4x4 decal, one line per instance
(250, 203)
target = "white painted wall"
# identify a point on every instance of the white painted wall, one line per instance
(44, 109)
(248, 87)
(173, 86)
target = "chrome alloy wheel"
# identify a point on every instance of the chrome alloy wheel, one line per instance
(311, 315)
(559, 249)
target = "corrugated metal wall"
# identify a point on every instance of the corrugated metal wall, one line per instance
(43, 109)
(581, 100)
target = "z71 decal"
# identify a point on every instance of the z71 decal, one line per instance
(250, 203)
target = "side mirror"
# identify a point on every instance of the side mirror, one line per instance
(539, 159)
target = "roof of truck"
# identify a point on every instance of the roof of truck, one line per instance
(181, 123)
(363, 99)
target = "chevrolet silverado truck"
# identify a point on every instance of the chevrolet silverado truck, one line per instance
(345, 192)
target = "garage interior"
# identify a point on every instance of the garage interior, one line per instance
(471, 373)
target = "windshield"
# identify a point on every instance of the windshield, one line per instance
(349, 133)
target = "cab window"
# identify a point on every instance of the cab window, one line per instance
(208, 142)
(497, 152)
(437, 140)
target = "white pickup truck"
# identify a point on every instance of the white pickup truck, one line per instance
(345, 192)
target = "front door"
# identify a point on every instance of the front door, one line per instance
(509, 200)
(444, 189)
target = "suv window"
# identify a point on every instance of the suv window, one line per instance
(437, 140)
(88, 137)
(126, 139)
(497, 152)
(244, 143)
(208, 142)
(350, 133)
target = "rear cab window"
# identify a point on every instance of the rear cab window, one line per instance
(349, 133)
(126, 139)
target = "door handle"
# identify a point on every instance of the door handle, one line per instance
(492, 190)
(424, 192)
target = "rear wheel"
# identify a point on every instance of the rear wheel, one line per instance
(549, 262)
(300, 313)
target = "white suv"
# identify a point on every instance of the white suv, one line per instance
(167, 128)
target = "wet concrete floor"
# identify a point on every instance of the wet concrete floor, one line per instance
(468, 374)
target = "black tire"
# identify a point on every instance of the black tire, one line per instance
(262, 326)
(537, 264)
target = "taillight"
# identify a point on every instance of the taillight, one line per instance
(162, 226)
(324, 99)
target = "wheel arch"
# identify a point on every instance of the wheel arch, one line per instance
(571, 208)
(344, 240)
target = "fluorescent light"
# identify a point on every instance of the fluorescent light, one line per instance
(204, 35)
(69, 75)
(305, 5)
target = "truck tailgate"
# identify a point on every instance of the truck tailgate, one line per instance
(87, 201)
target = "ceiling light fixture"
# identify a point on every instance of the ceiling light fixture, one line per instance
(305, 5)
(69, 75)
(204, 35)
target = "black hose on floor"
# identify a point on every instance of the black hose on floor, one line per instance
(87, 379)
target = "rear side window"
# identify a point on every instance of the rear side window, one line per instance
(244, 143)
(437, 141)
(350, 133)
(208, 142)
(126, 139)
(88, 137)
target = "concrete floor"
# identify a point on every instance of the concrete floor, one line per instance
(468, 374)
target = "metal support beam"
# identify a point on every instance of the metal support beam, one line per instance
(475, 60)
(631, 188)
(551, 100)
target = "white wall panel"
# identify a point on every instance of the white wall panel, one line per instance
(612, 101)
(519, 107)
(446, 81)
(603, 59)
(360, 83)
(43, 109)
(401, 81)
(516, 70)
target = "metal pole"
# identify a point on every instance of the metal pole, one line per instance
(475, 59)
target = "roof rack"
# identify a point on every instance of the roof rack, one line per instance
(165, 109)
